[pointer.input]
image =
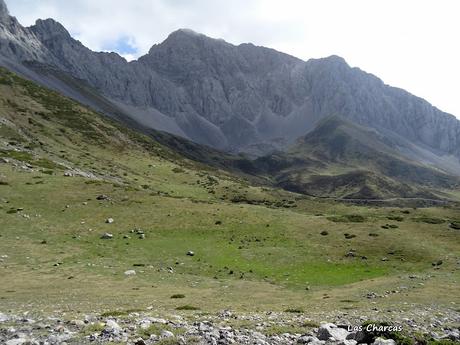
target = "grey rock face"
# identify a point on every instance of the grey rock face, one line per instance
(3, 10)
(236, 98)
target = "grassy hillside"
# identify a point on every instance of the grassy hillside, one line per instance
(65, 171)
(342, 160)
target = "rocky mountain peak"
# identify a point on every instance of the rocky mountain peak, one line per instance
(3, 8)
(50, 29)
(4, 13)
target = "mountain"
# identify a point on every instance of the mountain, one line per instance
(345, 160)
(201, 97)
(235, 98)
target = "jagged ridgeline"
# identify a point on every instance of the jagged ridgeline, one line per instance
(237, 98)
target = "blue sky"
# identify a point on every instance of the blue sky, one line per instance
(124, 45)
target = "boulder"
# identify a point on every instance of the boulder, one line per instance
(112, 327)
(329, 330)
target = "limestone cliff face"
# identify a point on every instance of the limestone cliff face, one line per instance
(237, 98)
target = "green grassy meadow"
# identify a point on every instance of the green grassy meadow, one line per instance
(256, 247)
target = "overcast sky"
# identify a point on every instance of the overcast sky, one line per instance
(412, 44)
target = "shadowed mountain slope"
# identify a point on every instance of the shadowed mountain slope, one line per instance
(345, 160)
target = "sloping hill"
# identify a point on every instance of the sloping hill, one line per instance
(341, 159)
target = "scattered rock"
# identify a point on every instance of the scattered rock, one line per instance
(109, 220)
(166, 334)
(308, 339)
(102, 197)
(437, 263)
(190, 253)
(139, 341)
(130, 273)
(4, 318)
(107, 236)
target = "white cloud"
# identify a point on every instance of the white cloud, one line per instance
(412, 44)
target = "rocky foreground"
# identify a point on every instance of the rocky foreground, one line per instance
(428, 326)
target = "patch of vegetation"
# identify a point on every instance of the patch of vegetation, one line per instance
(455, 225)
(18, 155)
(396, 218)
(179, 295)
(347, 218)
(187, 307)
(116, 313)
(46, 164)
(429, 220)
(93, 328)
(294, 310)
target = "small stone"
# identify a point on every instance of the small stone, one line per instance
(102, 197)
(130, 273)
(107, 236)
(190, 253)
(4, 318)
(78, 323)
(348, 342)
(109, 220)
(381, 341)
(166, 334)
